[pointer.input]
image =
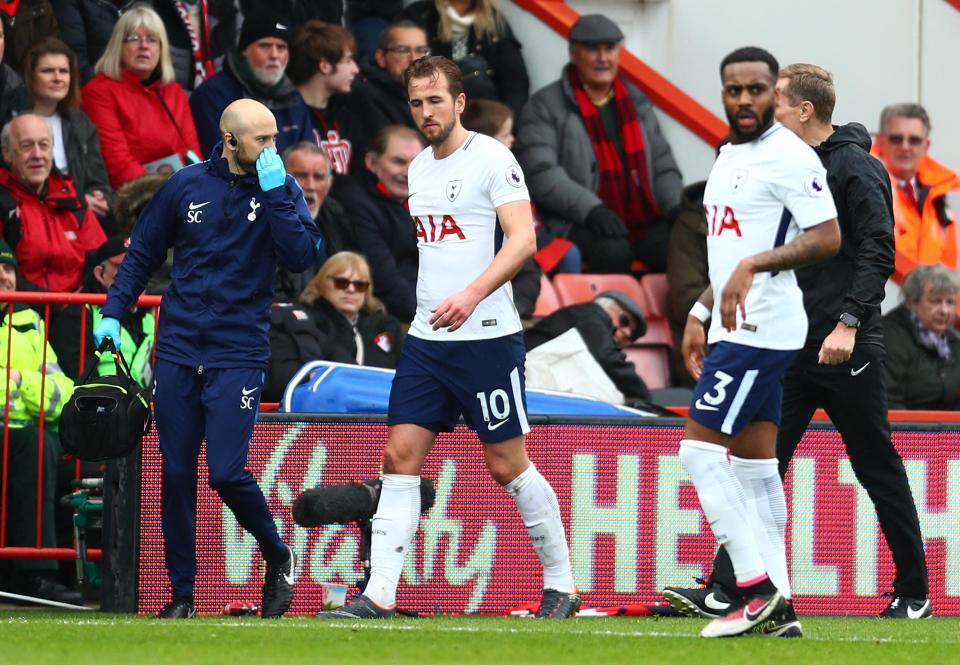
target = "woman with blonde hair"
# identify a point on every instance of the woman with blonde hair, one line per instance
(340, 320)
(475, 35)
(142, 114)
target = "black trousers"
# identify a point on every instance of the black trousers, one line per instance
(857, 405)
(22, 493)
(614, 255)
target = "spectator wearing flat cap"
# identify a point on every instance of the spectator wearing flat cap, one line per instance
(598, 167)
(607, 324)
(136, 330)
(256, 69)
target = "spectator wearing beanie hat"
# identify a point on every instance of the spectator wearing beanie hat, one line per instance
(256, 69)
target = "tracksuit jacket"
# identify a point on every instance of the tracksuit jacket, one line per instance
(853, 280)
(228, 236)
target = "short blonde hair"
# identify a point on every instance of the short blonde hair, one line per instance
(342, 262)
(139, 16)
(810, 83)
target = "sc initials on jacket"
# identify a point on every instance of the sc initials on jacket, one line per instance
(430, 229)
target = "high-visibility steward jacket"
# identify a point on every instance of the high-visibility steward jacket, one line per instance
(27, 356)
(136, 354)
(928, 235)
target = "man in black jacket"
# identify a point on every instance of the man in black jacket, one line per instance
(840, 368)
(377, 206)
(308, 164)
(607, 324)
(382, 88)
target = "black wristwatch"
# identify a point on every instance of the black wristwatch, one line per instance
(849, 320)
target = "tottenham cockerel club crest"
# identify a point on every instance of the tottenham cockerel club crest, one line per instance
(453, 189)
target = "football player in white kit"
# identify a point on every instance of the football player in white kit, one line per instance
(464, 354)
(769, 210)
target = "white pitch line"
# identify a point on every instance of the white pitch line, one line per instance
(432, 626)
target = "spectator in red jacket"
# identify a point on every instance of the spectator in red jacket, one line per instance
(44, 219)
(142, 114)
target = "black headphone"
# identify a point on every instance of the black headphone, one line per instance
(232, 141)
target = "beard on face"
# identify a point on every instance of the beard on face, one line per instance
(268, 76)
(246, 164)
(745, 137)
(443, 134)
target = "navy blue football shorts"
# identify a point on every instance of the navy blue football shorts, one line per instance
(482, 380)
(739, 385)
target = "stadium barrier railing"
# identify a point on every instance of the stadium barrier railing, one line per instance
(47, 305)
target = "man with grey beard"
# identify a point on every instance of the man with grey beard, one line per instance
(256, 69)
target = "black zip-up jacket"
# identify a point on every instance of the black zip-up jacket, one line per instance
(301, 333)
(597, 330)
(853, 280)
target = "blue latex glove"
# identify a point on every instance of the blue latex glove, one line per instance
(270, 169)
(107, 327)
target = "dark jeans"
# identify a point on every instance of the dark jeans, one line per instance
(22, 458)
(614, 255)
(857, 405)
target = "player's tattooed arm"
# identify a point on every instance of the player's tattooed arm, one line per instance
(816, 244)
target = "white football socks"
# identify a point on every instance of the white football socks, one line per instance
(723, 502)
(394, 525)
(540, 510)
(767, 506)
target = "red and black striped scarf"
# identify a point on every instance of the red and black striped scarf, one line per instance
(626, 191)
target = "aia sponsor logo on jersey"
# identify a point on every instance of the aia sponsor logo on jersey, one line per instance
(432, 229)
(719, 221)
(384, 342)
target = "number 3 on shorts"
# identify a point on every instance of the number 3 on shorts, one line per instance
(497, 404)
(716, 396)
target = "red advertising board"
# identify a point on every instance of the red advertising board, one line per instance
(632, 519)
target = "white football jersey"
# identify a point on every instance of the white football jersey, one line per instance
(758, 197)
(453, 203)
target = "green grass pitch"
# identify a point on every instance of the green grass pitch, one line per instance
(39, 637)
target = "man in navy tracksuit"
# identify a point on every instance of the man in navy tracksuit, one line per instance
(229, 219)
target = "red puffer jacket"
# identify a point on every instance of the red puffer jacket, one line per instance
(134, 126)
(49, 233)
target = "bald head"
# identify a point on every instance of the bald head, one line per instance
(243, 114)
(27, 144)
(247, 127)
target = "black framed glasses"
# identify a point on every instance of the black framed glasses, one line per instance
(342, 283)
(898, 139)
(419, 51)
(626, 321)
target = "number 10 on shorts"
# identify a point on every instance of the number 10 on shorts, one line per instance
(496, 404)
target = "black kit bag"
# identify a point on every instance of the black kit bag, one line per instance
(107, 416)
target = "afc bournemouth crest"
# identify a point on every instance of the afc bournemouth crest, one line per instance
(453, 189)
(384, 342)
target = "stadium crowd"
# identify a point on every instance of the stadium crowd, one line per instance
(101, 101)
